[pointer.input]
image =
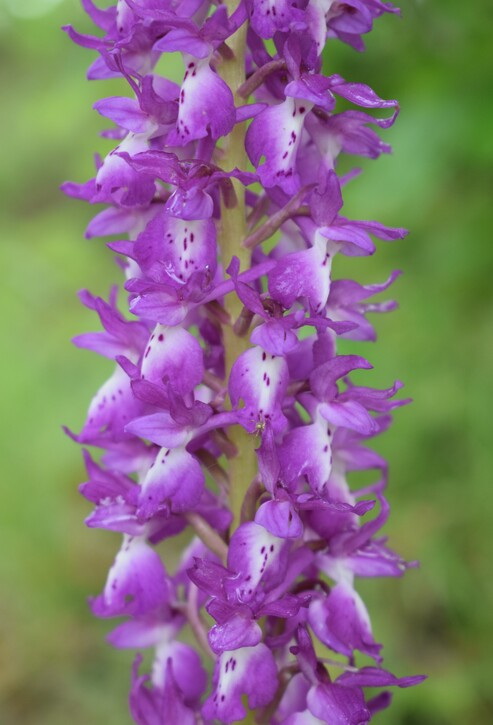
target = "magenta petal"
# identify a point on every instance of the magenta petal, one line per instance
(173, 355)
(270, 16)
(126, 112)
(303, 274)
(280, 519)
(341, 622)
(175, 478)
(306, 451)
(206, 104)
(188, 671)
(273, 337)
(136, 582)
(256, 555)
(260, 380)
(177, 246)
(275, 133)
(238, 631)
(292, 706)
(143, 632)
(112, 408)
(249, 671)
(113, 220)
(348, 414)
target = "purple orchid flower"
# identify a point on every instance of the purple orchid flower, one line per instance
(229, 414)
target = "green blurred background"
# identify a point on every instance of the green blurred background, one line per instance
(55, 665)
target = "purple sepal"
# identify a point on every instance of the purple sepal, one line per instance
(377, 677)
(116, 220)
(338, 705)
(209, 576)
(145, 631)
(120, 336)
(380, 702)
(160, 428)
(85, 191)
(325, 376)
(107, 486)
(348, 414)
(126, 112)
(354, 236)
(116, 517)
(104, 19)
(358, 93)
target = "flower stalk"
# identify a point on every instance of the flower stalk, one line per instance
(230, 414)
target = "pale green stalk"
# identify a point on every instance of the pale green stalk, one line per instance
(243, 467)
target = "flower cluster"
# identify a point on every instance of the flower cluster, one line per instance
(229, 413)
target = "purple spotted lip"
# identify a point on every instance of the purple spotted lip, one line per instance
(229, 413)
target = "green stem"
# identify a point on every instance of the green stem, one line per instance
(243, 467)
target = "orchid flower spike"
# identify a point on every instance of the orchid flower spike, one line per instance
(229, 415)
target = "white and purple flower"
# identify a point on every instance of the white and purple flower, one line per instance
(229, 412)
